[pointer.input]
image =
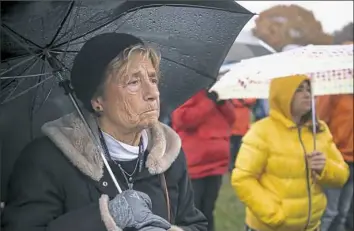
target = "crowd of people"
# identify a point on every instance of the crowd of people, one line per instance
(300, 185)
(288, 177)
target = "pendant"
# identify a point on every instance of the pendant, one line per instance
(130, 186)
(130, 183)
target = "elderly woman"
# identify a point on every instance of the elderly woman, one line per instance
(278, 175)
(60, 183)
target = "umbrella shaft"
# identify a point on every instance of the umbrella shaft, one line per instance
(95, 141)
(313, 114)
(66, 86)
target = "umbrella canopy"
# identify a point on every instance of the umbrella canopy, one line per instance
(329, 67)
(192, 36)
(240, 51)
(246, 46)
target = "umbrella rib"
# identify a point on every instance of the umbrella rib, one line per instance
(97, 28)
(47, 96)
(14, 32)
(18, 64)
(18, 41)
(9, 82)
(73, 43)
(29, 68)
(61, 63)
(61, 51)
(75, 21)
(23, 76)
(14, 58)
(34, 101)
(27, 90)
(193, 69)
(71, 29)
(62, 23)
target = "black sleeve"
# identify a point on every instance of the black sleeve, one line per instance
(188, 218)
(36, 200)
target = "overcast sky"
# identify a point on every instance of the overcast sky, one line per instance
(332, 14)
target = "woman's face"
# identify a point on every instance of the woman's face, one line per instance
(131, 100)
(301, 103)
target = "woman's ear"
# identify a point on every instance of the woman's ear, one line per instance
(96, 104)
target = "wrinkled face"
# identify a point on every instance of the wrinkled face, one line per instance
(131, 100)
(301, 103)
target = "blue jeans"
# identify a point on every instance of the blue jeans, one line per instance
(338, 205)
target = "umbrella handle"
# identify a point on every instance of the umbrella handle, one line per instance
(313, 116)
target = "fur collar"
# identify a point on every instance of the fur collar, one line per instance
(70, 136)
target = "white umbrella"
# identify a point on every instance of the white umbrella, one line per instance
(323, 83)
(330, 69)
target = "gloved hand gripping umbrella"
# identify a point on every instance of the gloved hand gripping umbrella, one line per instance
(40, 40)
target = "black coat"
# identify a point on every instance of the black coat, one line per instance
(58, 180)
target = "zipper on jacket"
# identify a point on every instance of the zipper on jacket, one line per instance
(308, 183)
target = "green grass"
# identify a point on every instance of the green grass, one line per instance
(229, 212)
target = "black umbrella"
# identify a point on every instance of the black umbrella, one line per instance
(240, 51)
(42, 38)
(247, 46)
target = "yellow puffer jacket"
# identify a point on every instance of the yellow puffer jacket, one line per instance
(271, 175)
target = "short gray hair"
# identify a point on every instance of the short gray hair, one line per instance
(120, 64)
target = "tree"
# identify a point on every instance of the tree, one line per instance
(344, 35)
(282, 25)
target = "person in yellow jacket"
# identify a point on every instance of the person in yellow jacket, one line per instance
(278, 175)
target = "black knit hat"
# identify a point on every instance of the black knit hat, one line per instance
(92, 60)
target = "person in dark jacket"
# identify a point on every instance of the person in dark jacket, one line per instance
(240, 127)
(60, 183)
(204, 125)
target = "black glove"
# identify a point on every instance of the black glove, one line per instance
(214, 97)
(221, 102)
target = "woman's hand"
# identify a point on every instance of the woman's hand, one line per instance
(317, 161)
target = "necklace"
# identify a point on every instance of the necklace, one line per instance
(130, 180)
(139, 162)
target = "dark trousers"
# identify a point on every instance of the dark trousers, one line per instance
(349, 223)
(338, 204)
(249, 229)
(235, 143)
(206, 192)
